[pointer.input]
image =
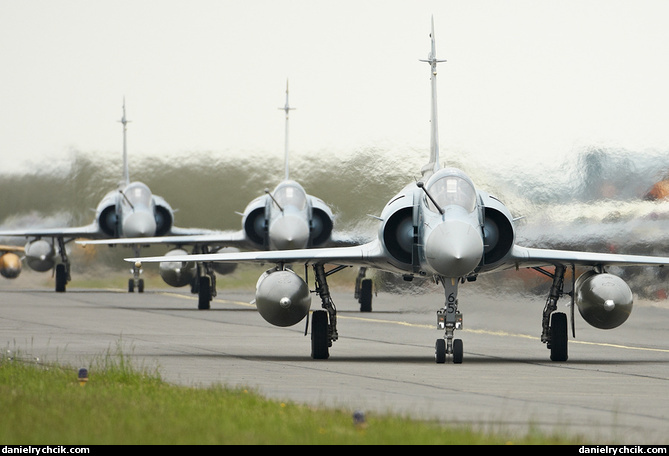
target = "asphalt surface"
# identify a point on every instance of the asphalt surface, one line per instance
(614, 388)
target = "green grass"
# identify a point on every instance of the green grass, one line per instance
(120, 404)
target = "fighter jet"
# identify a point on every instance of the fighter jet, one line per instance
(282, 219)
(10, 262)
(444, 228)
(131, 210)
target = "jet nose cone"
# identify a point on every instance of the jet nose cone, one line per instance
(454, 248)
(139, 224)
(289, 232)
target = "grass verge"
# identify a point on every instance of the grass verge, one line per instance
(45, 404)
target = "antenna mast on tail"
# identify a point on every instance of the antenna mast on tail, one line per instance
(287, 109)
(433, 164)
(126, 173)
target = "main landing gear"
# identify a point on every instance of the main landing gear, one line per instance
(554, 324)
(62, 276)
(449, 319)
(363, 291)
(62, 270)
(323, 322)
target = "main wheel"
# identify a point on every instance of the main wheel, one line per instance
(440, 351)
(319, 335)
(61, 278)
(365, 299)
(558, 343)
(140, 286)
(204, 294)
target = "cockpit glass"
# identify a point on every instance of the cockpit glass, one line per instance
(137, 194)
(289, 195)
(452, 190)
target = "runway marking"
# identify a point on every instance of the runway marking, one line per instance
(626, 347)
(507, 334)
(473, 331)
(193, 298)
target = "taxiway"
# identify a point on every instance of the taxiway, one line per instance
(613, 389)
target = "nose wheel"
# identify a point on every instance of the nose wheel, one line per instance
(442, 351)
(138, 282)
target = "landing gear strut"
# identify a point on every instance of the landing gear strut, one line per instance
(206, 286)
(323, 322)
(62, 268)
(449, 319)
(554, 324)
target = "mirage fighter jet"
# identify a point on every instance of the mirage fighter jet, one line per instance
(445, 228)
(284, 219)
(129, 211)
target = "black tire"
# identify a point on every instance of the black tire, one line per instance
(204, 294)
(61, 278)
(365, 299)
(319, 335)
(140, 286)
(440, 351)
(558, 343)
(131, 285)
(458, 351)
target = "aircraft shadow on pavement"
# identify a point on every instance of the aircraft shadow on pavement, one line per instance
(426, 360)
(188, 309)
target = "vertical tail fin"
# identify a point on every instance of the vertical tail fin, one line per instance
(433, 164)
(126, 172)
(287, 109)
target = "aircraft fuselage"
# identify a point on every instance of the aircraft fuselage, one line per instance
(287, 218)
(445, 227)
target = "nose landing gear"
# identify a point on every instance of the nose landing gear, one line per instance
(449, 319)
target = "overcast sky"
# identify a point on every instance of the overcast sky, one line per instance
(525, 81)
